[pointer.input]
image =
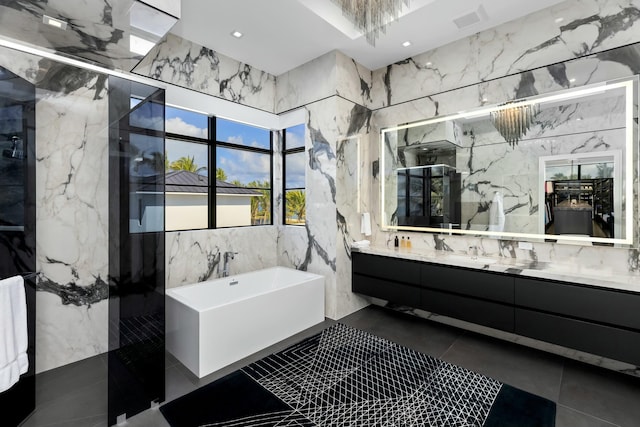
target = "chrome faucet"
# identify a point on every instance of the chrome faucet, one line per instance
(227, 256)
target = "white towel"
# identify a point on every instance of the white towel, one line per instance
(361, 244)
(496, 213)
(13, 331)
(365, 224)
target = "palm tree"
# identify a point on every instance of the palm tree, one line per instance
(186, 164)
(221, 175)
(296, 206)
(260, 205)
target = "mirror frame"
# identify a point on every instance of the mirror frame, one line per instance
(630, 86)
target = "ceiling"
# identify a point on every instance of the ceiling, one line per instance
(280, 35)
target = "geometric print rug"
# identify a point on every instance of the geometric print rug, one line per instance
(347, 377)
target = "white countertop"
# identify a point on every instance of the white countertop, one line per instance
(573, 273)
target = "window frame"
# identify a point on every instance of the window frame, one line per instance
(285, 152)
(240, 147)
(212, 144)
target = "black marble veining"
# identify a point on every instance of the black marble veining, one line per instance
(71, 293)
(320, 146)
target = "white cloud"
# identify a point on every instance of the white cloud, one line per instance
(179, 126)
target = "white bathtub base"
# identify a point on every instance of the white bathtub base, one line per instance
(208, 340)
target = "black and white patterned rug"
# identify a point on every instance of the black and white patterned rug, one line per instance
(346, 377)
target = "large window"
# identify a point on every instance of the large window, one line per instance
(243, 174)
(186, 165)
(242, 181)
(295, 207)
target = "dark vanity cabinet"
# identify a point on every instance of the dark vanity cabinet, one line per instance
(600, 321)
(390, 279)
(596, 320)
(466, 294)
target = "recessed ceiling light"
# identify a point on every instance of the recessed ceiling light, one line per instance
(58, 23)
(572, 80)
(559, 20)
(406, 44)
(484, 99)
(237, 34)
(429, 64)
(579, 119)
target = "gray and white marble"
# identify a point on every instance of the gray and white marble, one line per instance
(307, 83)
(97, 31)
(196, 256)
(187, 64)
(72, 208)
(531, 42)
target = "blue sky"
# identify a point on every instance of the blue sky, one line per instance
(238, 165)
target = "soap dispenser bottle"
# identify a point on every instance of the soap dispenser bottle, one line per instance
(396, 243)
(408, 242)
(403, 243)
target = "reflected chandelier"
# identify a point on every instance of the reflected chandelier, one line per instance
(514, 122)
(371, 17)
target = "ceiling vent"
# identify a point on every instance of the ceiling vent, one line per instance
(471, 18)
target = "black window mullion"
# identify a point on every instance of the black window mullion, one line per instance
(213, 191)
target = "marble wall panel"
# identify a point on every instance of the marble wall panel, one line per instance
(72, 208)
(183, 63)
(531, 42)
(196, 255)
(97, 31)
(612, 64)
(353, 80)
(315, 80)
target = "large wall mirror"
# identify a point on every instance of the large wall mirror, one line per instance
(554, 167)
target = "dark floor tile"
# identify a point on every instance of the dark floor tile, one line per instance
(148, 418)
(53, 384)
(87, 403)
(522, 367)
(422, 335)
(567, 417)
(177, 384)
(169, 360)
(601, 393)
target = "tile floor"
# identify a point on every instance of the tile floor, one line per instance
(76, 395)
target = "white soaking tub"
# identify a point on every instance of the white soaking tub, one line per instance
(215, 323)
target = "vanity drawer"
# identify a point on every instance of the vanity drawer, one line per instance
(491, 286)
(485, 313)
(397, 270)
(599, 305)
(618, 344)
(394, 292)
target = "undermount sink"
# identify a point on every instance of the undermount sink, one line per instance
(469, 259)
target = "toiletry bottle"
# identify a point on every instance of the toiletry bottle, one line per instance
(403, 243)
(408, 242)
(396, 243)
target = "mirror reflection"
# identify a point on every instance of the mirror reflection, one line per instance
(557, 166)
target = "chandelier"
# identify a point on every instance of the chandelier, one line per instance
(514, 122)
(371, 16)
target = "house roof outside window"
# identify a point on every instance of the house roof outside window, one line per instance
(182, 181)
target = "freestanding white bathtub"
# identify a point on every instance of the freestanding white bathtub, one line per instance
(215, 323)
